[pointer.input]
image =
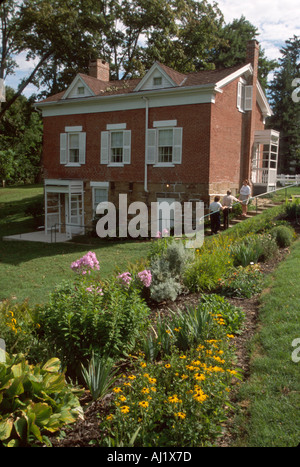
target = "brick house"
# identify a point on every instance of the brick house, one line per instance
(167, 136)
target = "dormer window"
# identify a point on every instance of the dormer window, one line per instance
(80, 90)
(157, 81)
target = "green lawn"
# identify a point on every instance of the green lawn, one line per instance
(272, 392)
(30, 270)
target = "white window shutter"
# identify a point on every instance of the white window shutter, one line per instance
(82, 141)
(126, 146)
(177, 145)
(248, 97)
(104, 159)
(152, 146)
(63, 148)
(239, 96)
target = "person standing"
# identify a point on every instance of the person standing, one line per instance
(227, 203)
(215, 219)
(244, 197)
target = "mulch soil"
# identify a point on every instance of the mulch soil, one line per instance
(86, 432)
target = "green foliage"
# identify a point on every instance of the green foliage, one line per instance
(292, 210)
(243, 283)
(283, 235)
(253, 249)
(77, 321)
(232, 316)
(35, 401)
(179, 400)
(168, 260)
(211, 262)
(17, 327)
(99, 376)
(21, 143)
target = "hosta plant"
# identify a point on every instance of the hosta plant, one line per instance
(35, 401)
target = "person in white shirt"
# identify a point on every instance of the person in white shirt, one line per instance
(245, 193)
(227, 202)
(215, 219)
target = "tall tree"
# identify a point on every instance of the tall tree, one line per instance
(286, 118)
(232, 50)
(20, 142)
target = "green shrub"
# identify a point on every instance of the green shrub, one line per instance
(210, 264)
(17, 327)
(167, 267)
(35, 401)
(78, 320)
(243, 283)
(292, 210)
(99, 376)
(283, 235)
(233, 317)
(253, 249)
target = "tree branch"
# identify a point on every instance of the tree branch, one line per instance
(25, 83)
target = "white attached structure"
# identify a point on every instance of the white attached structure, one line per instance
(64, 201)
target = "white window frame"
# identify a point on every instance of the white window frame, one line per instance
(65, 146)
(244, 96)
(106, 145)
(98, 186)
(153, 146)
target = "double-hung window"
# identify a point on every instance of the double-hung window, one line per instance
(99, 193)
(244, 96)
(164, 144)
(72, 146)
(115, 145)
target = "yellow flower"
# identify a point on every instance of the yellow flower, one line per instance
(199, 377)
(143, 364)
(144, 404)
(145, 391)
(174, 399)
(167, 365)
(182, 356)
(131, 377)
(124, 409)
(200, 396)
(117, 389)
(153, 389)
(152, 380)
(109, 417)
(180, 415)
(230, 336)
(122, 398)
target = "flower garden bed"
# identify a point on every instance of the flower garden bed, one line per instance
(174, 328)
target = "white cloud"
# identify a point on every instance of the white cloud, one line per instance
(276, 21)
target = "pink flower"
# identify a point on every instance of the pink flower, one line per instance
(85, 264)
(97, 290)
(158, 235)
(145, 277)
(126, 278)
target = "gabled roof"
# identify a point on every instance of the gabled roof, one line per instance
(217, 79)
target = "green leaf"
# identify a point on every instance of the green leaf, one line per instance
(5, 428)
(52, 366)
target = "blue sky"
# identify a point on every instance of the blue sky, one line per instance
(275, 20)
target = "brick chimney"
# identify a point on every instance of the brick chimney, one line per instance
(252, 55)
(99, 69)
(249, 119)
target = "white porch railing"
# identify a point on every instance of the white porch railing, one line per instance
(288, 179)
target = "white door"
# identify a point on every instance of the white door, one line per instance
(73, 214)
(165, 214)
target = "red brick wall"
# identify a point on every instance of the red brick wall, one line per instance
(195, 155)
(226, 138)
